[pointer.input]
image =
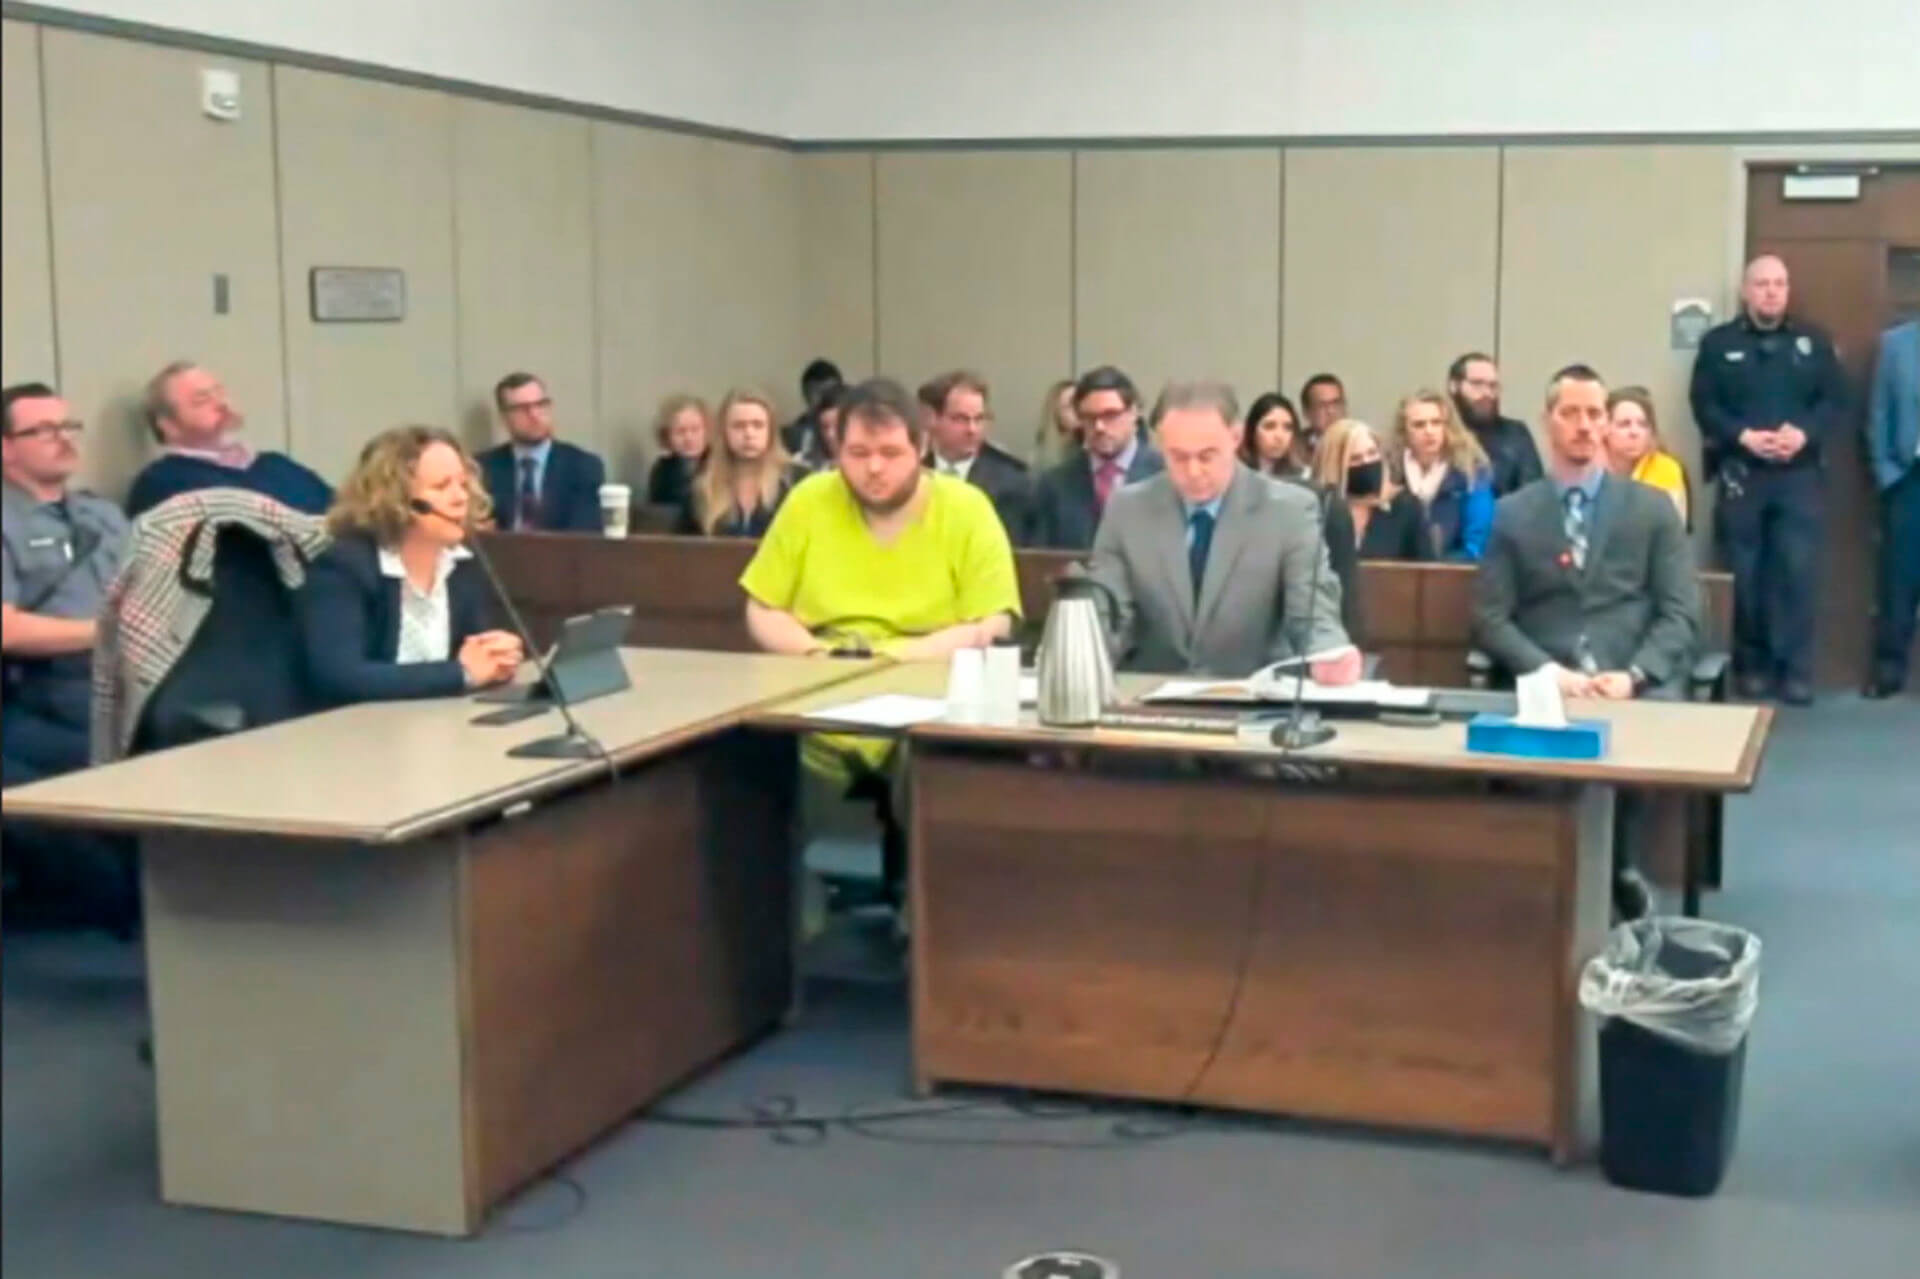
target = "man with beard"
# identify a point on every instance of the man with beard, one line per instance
(878, 555)
(199, 432)
(1473, 381)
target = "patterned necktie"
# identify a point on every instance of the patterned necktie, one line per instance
(1106, 478)
(1199, 543)
(527, 506)
(1576, 525)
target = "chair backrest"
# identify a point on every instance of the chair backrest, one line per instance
(244, 667)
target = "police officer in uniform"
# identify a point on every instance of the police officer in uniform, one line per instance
(1767, 392)
(62, 548)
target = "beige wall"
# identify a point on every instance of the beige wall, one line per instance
(26, 283)
(973, 270)
(618, 262)
(623, 263)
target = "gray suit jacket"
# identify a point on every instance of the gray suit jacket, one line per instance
(1636, 602)
(1893, 407)
(1253, 604)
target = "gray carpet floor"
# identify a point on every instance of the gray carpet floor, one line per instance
(1823, 863)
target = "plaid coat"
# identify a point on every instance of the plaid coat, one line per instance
(164, 591)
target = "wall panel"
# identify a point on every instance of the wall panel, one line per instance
(26, 285)
(1598, 243)
(366, 179)
(834, 209)
(697, 270)
(151, 200)
(1177, 265)
(523, 247)
(974, 253)
(1391, 257)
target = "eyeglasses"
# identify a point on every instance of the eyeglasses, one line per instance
(47, 430)
(542, 403)
(1111, 417)
(974, 419)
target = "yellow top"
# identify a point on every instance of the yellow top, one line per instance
(1662, 471)
(819, 561)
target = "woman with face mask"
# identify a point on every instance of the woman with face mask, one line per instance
(1447, 472)
(1387, 523)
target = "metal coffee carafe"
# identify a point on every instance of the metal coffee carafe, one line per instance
(1074, 666)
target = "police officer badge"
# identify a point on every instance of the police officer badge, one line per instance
(1804, 344)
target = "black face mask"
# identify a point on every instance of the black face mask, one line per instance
(1366, 478)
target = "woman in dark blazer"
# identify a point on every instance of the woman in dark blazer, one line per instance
(1388, 523)
(396, 608)
(682, 432)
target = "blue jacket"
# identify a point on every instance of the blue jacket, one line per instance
(569, 488)
(1461, 515)
(1893, 408)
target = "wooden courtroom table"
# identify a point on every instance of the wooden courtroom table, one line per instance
(1391, 937)
(395, 974)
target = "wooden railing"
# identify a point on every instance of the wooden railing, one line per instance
(685, 593)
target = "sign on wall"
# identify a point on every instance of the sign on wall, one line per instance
(357, 294)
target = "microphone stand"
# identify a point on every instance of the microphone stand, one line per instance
(1302, 728)
(576, 742)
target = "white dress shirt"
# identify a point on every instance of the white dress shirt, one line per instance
(961, 469)
(426, 619)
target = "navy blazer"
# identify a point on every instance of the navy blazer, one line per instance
(569, 488)
(1064, 515)
(349, 614)
(1893, 407)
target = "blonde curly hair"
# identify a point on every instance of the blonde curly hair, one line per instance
(376, 499)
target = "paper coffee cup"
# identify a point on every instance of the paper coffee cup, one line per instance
(616, 508)
(966, 686)
(1001, 666)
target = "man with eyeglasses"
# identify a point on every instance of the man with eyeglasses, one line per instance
(958, 420)
(62, 548)
(199, 432)
(1071, 497)
(538, 482)
(1473, 381)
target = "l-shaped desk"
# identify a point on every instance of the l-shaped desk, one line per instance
(395, 974)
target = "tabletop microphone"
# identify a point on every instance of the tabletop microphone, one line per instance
(576, 742)
(1302, 728)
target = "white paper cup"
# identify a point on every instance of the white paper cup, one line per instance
(616, 509)
(1002, 700)
(966, 686)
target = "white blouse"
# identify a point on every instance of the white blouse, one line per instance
(426, 619)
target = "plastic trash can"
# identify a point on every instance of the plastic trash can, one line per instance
(1676, 998)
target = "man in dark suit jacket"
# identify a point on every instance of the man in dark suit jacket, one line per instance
(1893, 449)
(1070, 498)
(957, 422)
(1586, 572)
(536, 481)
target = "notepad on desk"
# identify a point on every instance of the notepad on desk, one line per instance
(1262, 689)
(884, 710)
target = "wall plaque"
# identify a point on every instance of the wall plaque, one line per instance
(357, 294)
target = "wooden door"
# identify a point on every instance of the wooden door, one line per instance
(1855, 266)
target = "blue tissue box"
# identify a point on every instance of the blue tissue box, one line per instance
(1499, 735)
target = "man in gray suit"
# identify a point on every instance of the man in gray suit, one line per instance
(1214, 566)
(1893, 447)
(1586, 572)
(1590, 575)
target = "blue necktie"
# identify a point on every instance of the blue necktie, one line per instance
(527, 505)
(1576, 525)
(1199, 543)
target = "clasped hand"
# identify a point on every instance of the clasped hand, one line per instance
(491, 657)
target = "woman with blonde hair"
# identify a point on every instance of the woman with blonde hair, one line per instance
(1387, 524)
(1058, 434)
(395, 608)
(1447, 472)
(747, 474)
(683, 431)
(1635, 450)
